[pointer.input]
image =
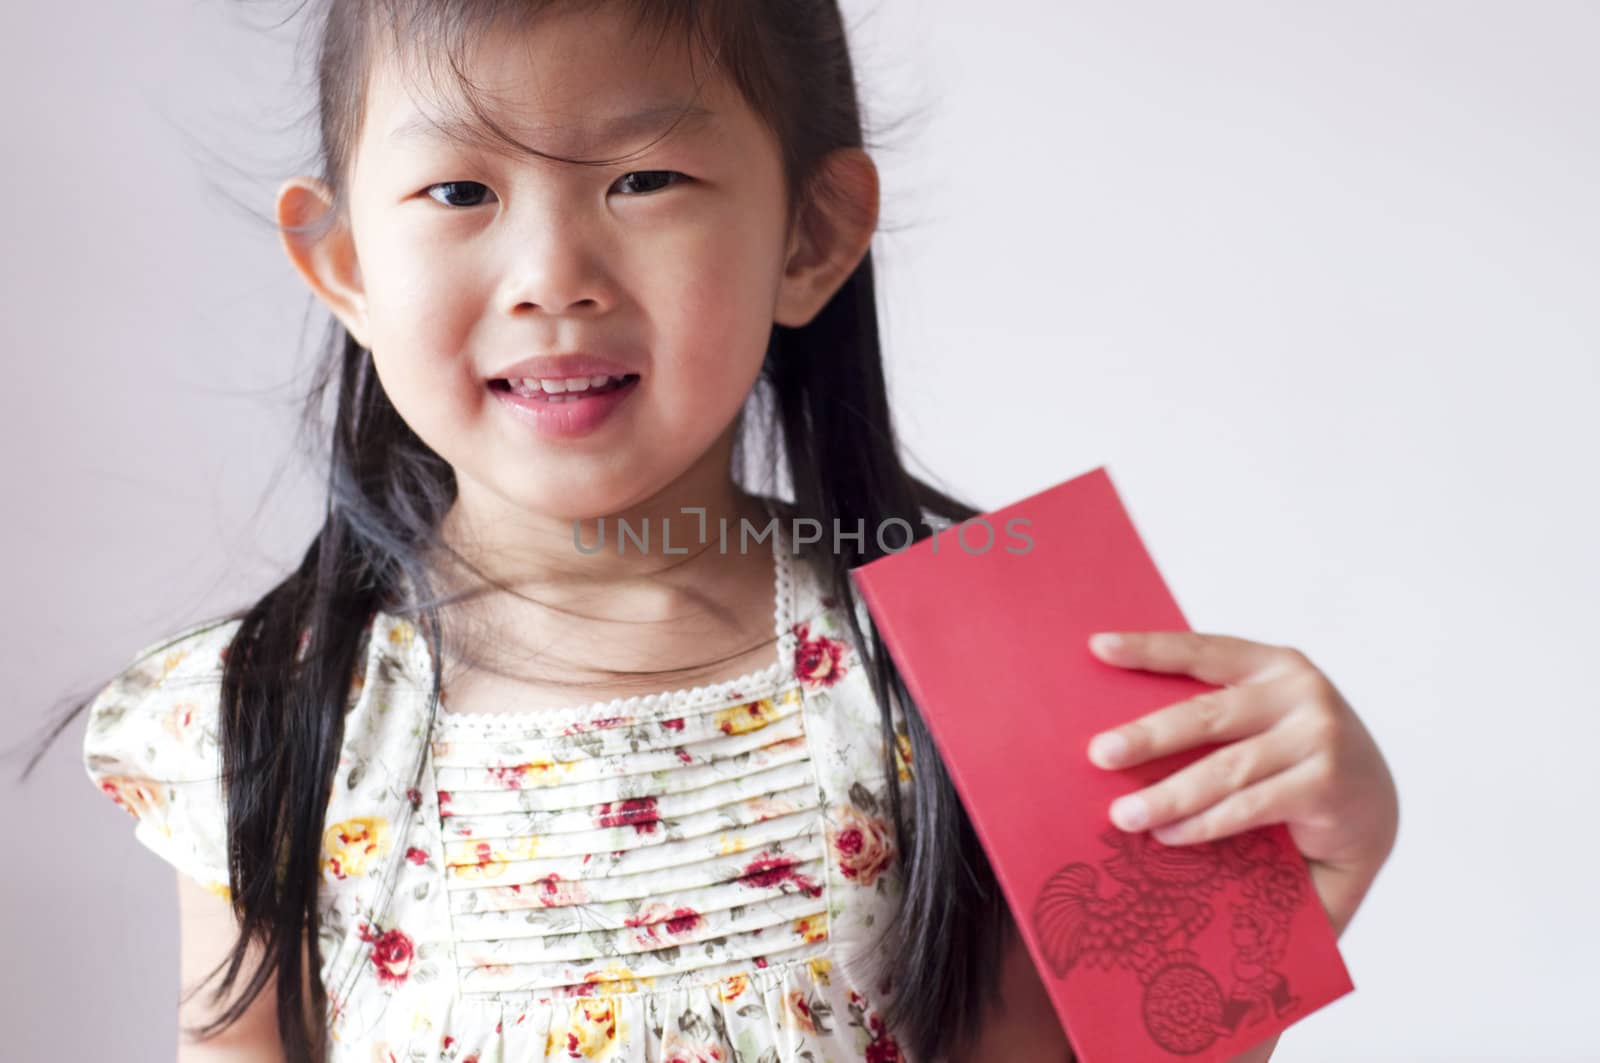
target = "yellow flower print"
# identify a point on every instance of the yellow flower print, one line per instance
(592, 1032)
(742, 719)
(902, 748)
(812, 928)
(483, 859)
(170, 661)
(734, 985)
(220, 889)
(821, 967)
(764, 807)
(402, 632)
(618, 979)
(731, 843)
(537, 772)
(797, 1012)
(348, 848)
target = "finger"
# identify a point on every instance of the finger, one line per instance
(1220, 715)
(1206, 782)
(1213, 658)
(1274, 799)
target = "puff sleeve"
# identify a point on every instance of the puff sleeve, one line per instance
(151, 746)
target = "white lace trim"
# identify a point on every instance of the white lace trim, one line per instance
(666, 703)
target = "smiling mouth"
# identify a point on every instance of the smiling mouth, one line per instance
(531, 391)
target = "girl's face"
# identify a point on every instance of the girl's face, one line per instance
(674, 264)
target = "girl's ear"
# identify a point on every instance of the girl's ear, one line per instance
(323, 251)
(830, 236)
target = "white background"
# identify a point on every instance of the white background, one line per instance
(1316, 282)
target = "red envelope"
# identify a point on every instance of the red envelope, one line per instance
(1149, 952)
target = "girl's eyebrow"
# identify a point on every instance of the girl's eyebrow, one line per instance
(605, 132)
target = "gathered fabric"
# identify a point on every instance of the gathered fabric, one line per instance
(694, 875)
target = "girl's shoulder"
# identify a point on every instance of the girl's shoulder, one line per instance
(150, 745)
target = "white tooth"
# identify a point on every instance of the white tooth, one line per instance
(596, 381)
(577, 383)
(552, 386)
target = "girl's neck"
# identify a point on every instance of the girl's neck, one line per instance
(570, 617)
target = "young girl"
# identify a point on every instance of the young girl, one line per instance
(466, 786)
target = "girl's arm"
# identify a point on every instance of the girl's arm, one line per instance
(208, 931)
(1022, 1023)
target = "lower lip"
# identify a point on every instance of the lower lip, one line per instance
(565, 420)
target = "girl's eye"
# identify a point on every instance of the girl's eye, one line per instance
(474, 190)
(652, 177)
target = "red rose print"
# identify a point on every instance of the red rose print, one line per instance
(392, 953)
(675, 724)
(638, 811)
(675, 923)
(767, 871)
(555, 891)
(818, 660)
(883, 1048)
(510, 775)
(864, 845)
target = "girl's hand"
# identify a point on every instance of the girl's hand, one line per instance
(1295, 752)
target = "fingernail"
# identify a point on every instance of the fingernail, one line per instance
(1107, 750)
(1130, 813)
(1105, 642)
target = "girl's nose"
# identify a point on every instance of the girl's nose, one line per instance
(551, 266)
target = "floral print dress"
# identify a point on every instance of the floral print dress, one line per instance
(695, 876)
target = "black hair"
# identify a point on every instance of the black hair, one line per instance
(820, 402)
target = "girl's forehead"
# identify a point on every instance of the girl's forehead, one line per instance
(567, 92)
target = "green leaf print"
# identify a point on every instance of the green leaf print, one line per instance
(719, 1024)
(692, 1024)
(863, 799)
